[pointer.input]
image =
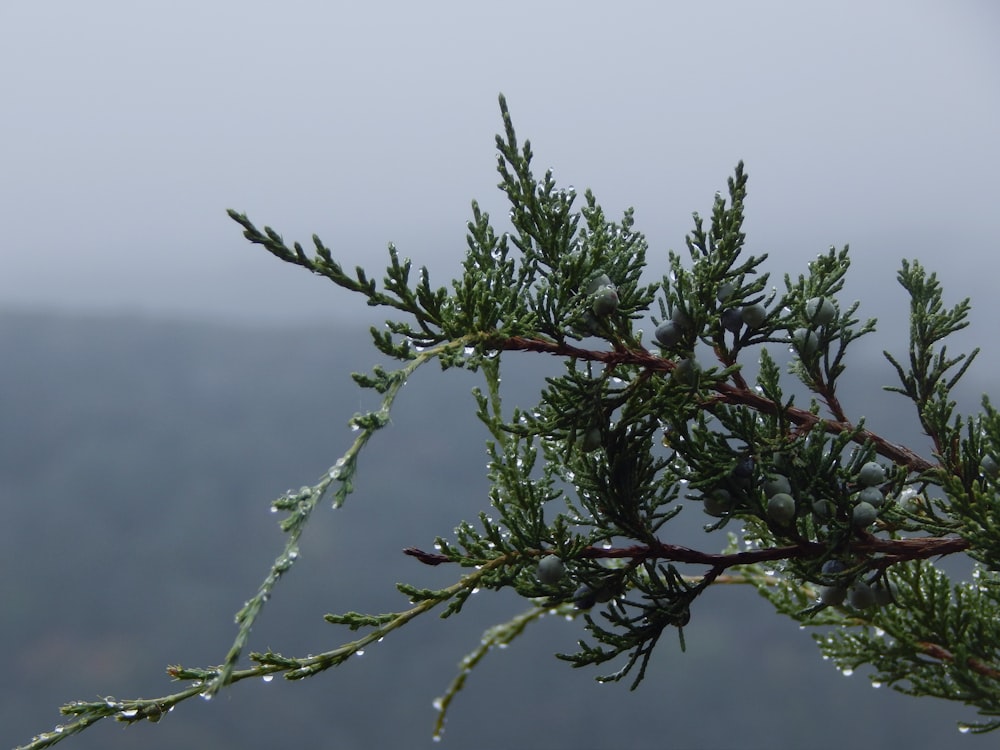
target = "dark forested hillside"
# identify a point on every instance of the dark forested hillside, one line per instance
(138, 459)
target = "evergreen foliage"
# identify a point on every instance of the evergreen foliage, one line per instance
(839, 528)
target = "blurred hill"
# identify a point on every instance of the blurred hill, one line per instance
(138, 459)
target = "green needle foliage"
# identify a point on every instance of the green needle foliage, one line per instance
(840, 528)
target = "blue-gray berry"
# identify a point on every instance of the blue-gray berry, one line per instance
(668, 334)
(864, 514)
(605, 301)
(781, 508)
(732, 320)
(718, 502)
(871, 474)
(550, 570)
(832, 595)
(806, 341)
(776, 483)
(754, 315)
(871, 495)
(820, 311)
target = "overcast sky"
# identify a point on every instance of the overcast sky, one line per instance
(129, 127)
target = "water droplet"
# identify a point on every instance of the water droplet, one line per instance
(130, 713)
(207, 696)
(847, 671)
(964, 728)
(267, 677)
(876, 684)
(59, 729)
(438, 704)
(337, 471)
(359, 652)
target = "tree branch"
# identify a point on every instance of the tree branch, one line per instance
(727, 393)
(893, 550)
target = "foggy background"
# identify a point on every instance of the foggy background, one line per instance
(161, 380)
(129, 128)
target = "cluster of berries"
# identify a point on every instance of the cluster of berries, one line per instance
(782, 507)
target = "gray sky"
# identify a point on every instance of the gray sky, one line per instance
(128, 128)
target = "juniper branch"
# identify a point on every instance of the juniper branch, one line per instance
(892, 551)
(567, 275)
(87, 713)
(725, 393)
